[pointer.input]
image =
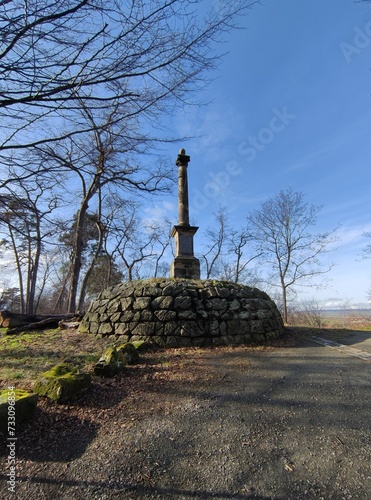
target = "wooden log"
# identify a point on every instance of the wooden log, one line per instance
(46, 321)
(9, 319)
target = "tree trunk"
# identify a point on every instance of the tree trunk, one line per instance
(76, 259)
(33, 269)
(19, 269)
(284, 304)
(85, 281)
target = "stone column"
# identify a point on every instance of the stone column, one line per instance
(183, 205)
(185, 264)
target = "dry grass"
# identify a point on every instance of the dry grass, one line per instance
(26, 355)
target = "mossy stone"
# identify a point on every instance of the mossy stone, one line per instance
(61, 383)
(129, 353)
(141, 345)
(23, 408)
(110, 363)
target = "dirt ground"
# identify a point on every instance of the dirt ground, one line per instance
(286, 421)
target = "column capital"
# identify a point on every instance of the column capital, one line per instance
(182, 158)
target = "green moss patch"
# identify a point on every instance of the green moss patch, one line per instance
(61, 383)
(114, 359)
(16, 405)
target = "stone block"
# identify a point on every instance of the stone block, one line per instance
(213, 328)
(187, 315)
(110, 363)
(208, 305)
(230, 340)
(127, 316)
(146, 315)
(258, 338)
(141, 345)
(171, 328)
(191, 329)
(223, 292)
(244, 327)
(61, 383)
(18, 404)
(105, 329)
(141, 303)
(162, 302)
(256, 326)
(145, 329)
(173, 342)
(218, 342)
(159, 341)
(84, 327)
(208, 292)
(182, 302)
(245, 315)
(202, 342)
(126, 303)
(93, 328)
(151, 290)
(165, 315)
(202, 314)
(233, 327)
(115, 317)
(114, 306)
(129, 353)
(122, 329)
(172, 289)
(160, 328)
(234, 305)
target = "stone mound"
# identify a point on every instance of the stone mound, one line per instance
(184, 313)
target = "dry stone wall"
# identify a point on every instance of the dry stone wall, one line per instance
(184, 313)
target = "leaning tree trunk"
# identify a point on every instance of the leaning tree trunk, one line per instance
(77, 257)
(85, 281)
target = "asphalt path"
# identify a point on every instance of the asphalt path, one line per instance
(272, 423)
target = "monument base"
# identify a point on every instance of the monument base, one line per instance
(185, 267)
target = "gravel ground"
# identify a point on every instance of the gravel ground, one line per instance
(290, 421)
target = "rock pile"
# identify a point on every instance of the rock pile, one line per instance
(184, 313)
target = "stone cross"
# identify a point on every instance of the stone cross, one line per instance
(185, 264)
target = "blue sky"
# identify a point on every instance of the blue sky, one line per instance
(290, 106)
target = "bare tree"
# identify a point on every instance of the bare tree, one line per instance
(240, 256)
(83, 84)
(24, 219)
(100, 161)
(141, 55)
(216, 238)
(289, 251)
(229, 251)
(159, 232)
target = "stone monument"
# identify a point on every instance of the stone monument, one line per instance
(185, 264)
(183, 310)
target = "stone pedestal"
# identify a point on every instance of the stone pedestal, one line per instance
(185, 264)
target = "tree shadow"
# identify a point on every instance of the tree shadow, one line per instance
(70, 436)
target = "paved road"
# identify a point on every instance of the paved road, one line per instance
(357, 341)
(282, 423)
